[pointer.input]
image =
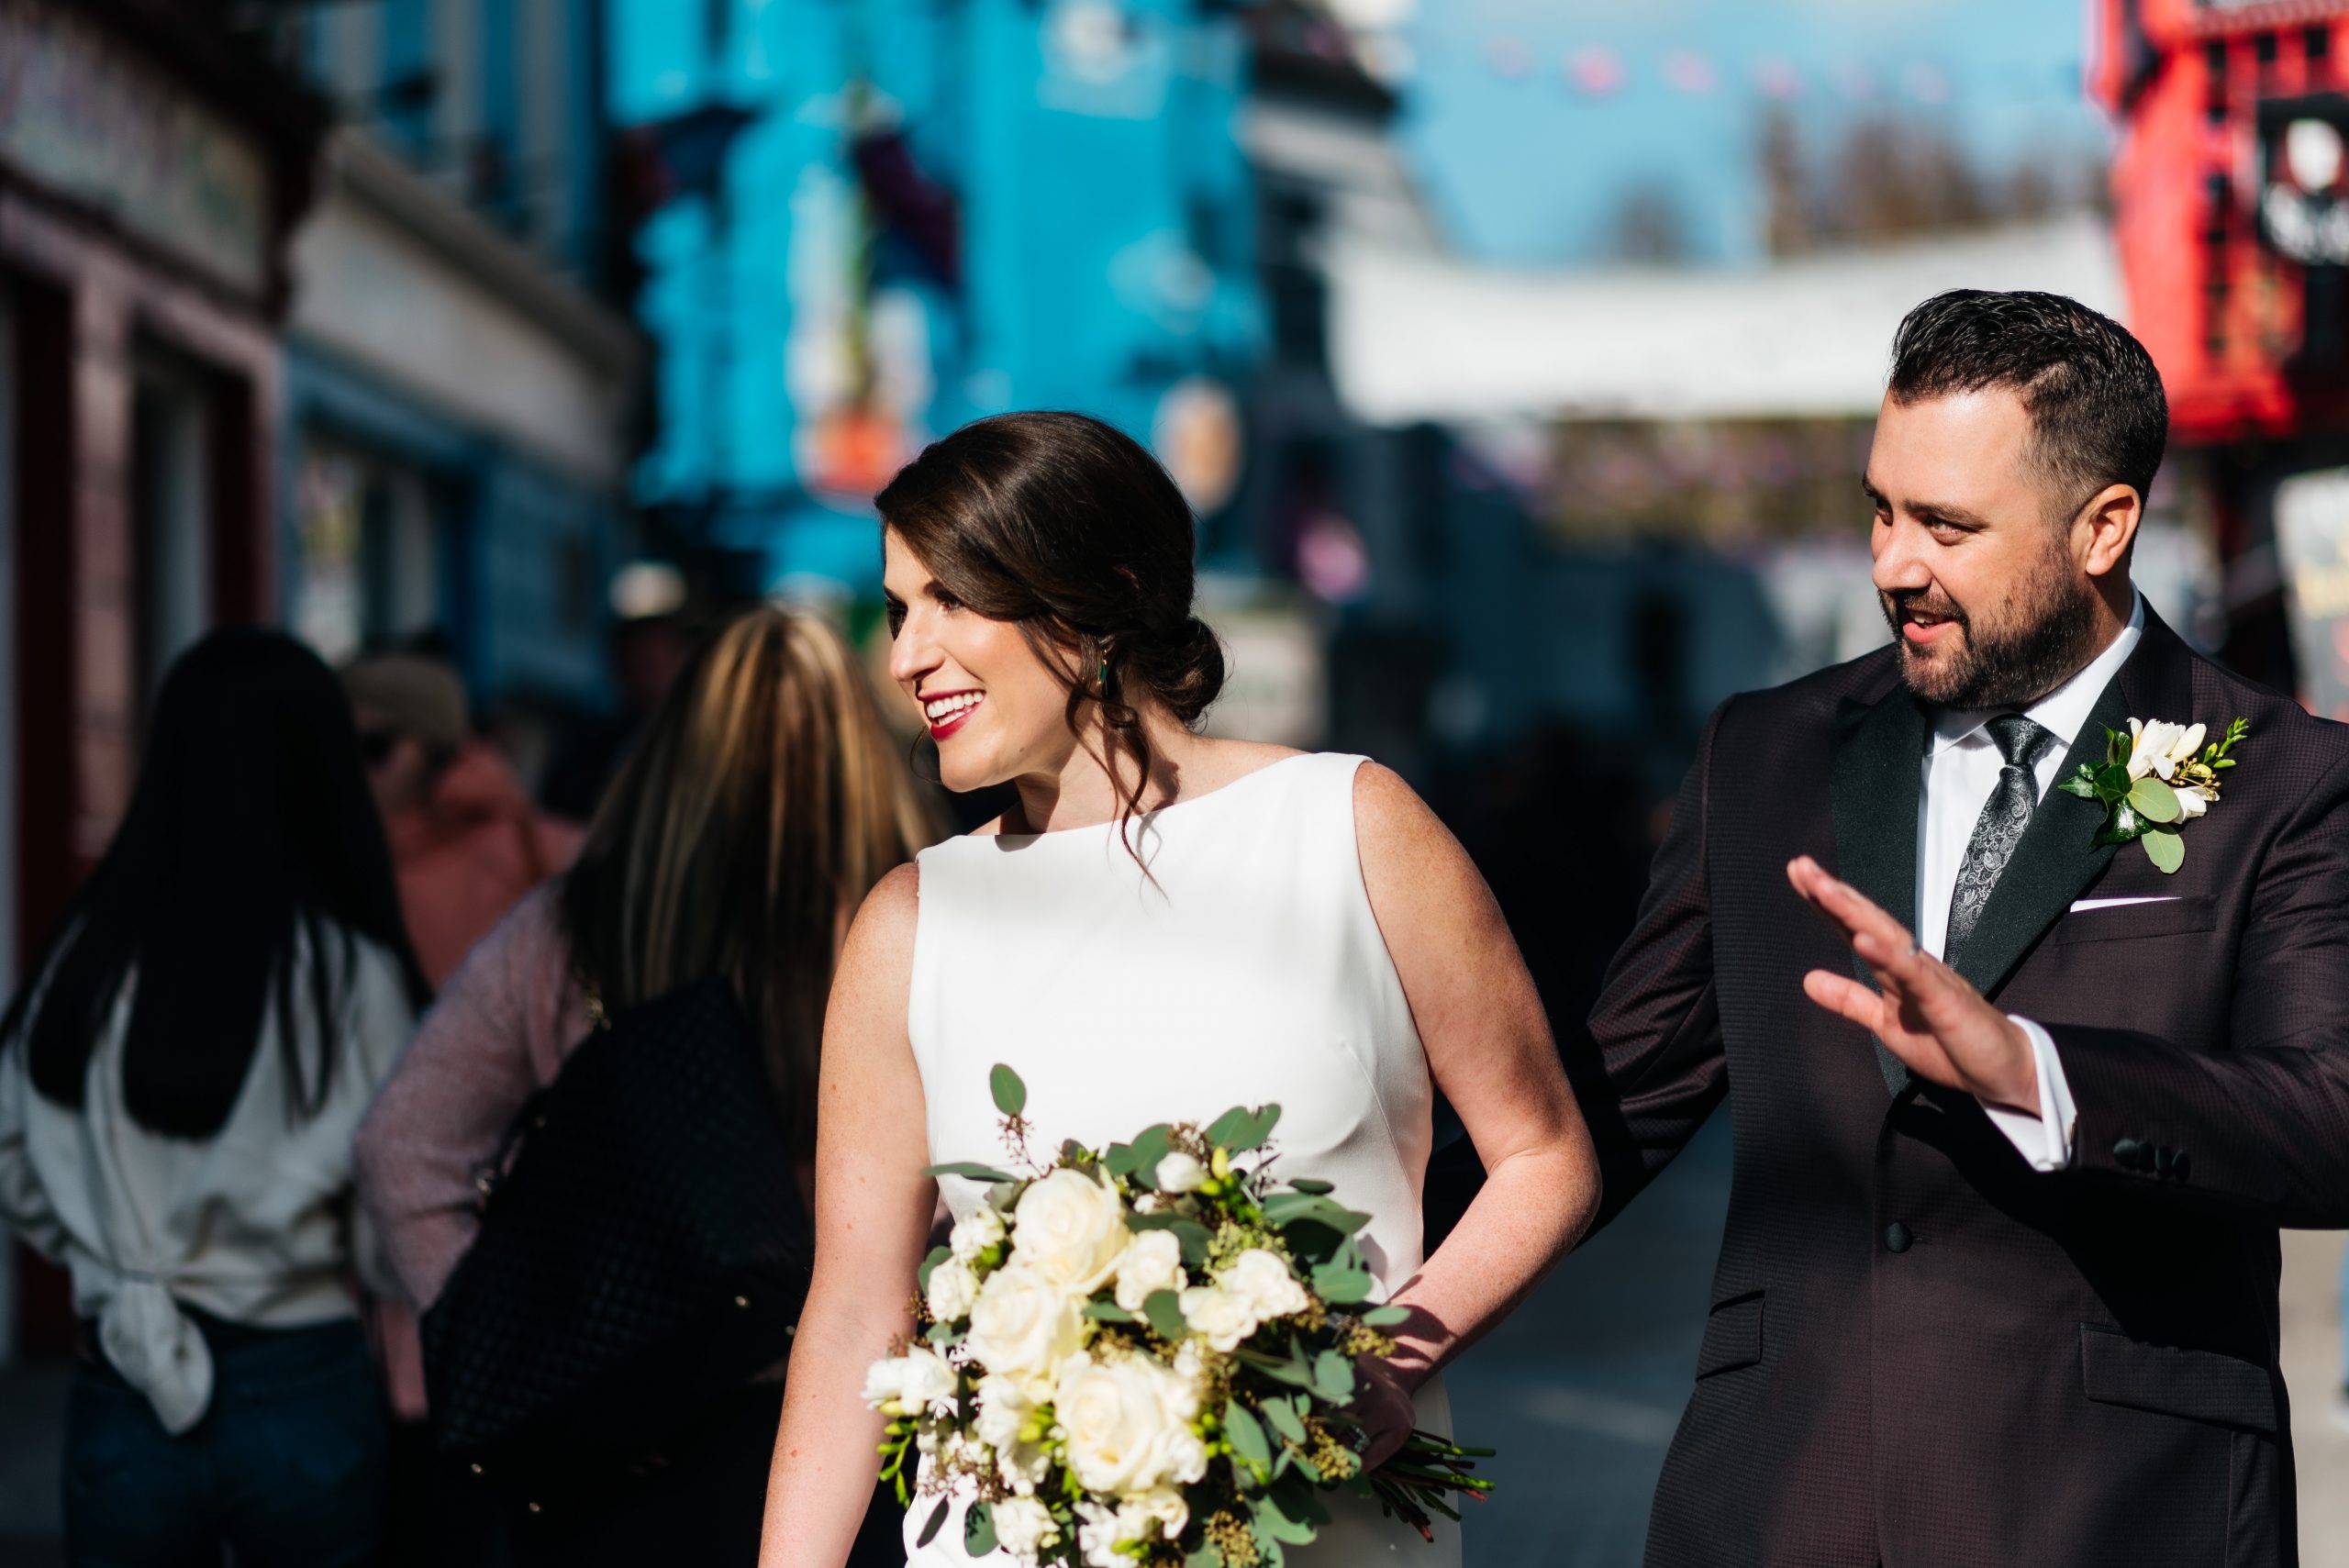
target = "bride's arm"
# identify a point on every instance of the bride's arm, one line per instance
(1489, 1048)
(872, 1213)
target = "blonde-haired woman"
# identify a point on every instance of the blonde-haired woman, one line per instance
(764, 801)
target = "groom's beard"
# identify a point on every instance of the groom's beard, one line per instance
(2042, 636)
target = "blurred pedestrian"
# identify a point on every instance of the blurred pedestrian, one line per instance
(763, 802)
(466, 841)
(647, 652)
(180, 1083)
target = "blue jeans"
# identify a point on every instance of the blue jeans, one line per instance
(288, 1469)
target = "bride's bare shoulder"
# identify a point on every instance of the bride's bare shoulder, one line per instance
(1215, 763)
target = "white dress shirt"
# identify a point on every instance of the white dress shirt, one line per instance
(1961, 767)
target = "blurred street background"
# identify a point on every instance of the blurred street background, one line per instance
(1517, 357)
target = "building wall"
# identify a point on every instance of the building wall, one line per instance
(1105, 254)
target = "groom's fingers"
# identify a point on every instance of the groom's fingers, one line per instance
(1859, 917)
(1845, 997)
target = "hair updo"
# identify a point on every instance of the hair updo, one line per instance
(1067, 528)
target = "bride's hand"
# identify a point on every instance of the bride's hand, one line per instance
(1383, 1408)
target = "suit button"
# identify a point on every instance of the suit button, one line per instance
(1896, 1238)
(2163, 1159)
(2179, 1166)
(2130, 1154)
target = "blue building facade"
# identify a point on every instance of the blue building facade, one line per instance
(886, 217)
(458, 367)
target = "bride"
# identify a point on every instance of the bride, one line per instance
(1161, 924)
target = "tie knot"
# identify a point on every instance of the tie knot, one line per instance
(2019, 742)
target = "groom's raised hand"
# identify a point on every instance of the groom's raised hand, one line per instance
(1926, 1013)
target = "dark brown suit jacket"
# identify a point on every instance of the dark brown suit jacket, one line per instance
(1920, 1350)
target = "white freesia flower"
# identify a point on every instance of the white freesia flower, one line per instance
(1127, 1424)
(976, 1232)
(1025, 1528)
(1220, 1317)
(1070, 1228)
(1004, 1409)
(2193, 800)
(1151, 1261)
(1023, 1324)
(2158, 747)
(908, 1384)
(1160, 1514)
(952, 1288)
(1265, 1282)
(1179, 1172)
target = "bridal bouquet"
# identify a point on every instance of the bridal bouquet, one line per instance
(1143, 1357)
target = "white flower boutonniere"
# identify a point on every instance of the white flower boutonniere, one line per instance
(2154, 777)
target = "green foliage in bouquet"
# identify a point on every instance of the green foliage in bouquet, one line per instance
(1146, 1356)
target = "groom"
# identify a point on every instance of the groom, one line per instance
(2018, 1112)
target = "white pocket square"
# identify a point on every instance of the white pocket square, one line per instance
(2084, 905)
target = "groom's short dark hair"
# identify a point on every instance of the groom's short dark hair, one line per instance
(2097, 414)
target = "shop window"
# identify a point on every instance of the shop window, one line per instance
(170, 499)
(367, 572)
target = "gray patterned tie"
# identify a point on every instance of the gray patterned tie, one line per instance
(2004, 816)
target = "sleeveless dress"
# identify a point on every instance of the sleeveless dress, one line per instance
(1247, 968)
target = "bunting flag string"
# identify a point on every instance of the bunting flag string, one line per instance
(1596, 71)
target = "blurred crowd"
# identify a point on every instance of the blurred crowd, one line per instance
(268, 1067)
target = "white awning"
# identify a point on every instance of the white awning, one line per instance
(1419, 337)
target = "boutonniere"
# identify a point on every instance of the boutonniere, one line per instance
(2155, 776)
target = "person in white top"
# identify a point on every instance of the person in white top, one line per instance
(1160, 925)
(179, 1086)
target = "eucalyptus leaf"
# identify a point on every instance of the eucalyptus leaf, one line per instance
(937, 1518)
(969, 1171)
(978, 1529)
(1333, 1377)
(1010, 1094)
(1119, 1159)
(1248, 1439)
(2154, 800)
(1108, 1312)
(2165, 850)
(1277, 1520)
(1386, 1316)
(1283, 1418)
(921, 1276)
(1311, 1186)
(1147, 1149)
(1208, 1556)
(1340, 1284)
(1164, 1310)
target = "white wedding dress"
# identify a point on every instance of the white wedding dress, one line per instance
(1247, 968)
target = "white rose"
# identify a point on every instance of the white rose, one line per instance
(1152, 1261)
(952, 1288)
(1023, 1324)
(909, 1383)
(1127, 1424)
(1025, 1528)
(976, 1232)
(1266, 1283)
(1070, 1228)
(1220, 1317)
(1179, 1173)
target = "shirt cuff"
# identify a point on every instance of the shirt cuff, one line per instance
(2044, 1140)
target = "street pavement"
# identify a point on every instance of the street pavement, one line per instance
(1580, 1391)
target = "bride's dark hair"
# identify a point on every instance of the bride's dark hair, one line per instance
(1066, 527)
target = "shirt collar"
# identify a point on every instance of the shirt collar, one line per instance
(2063, 711)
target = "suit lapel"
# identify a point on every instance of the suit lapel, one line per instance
(2053, 861)
(1875, 779)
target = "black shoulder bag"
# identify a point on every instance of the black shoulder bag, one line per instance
(643, 1258)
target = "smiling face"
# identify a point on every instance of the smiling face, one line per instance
(996, 710)
(1982, 571)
